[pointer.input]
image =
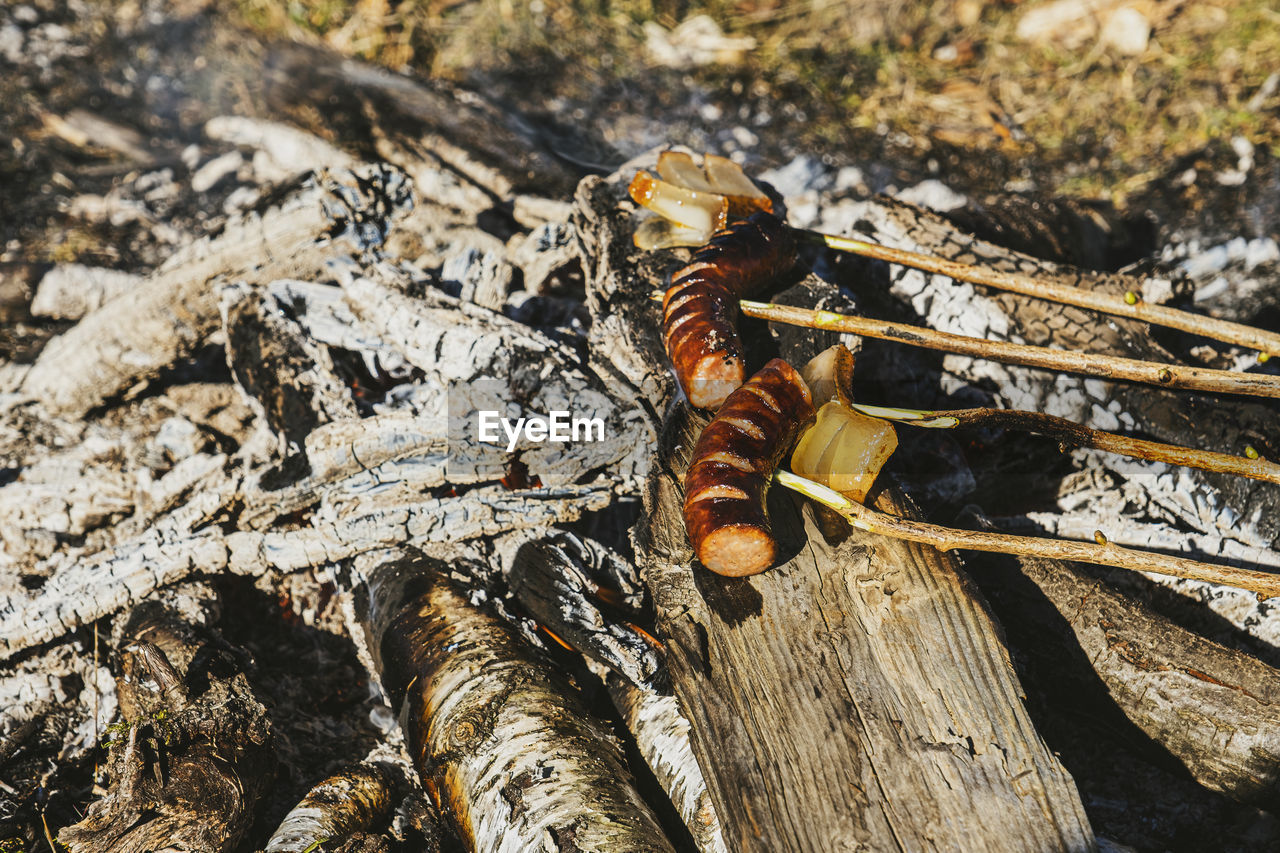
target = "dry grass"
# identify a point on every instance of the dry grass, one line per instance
(951, 72)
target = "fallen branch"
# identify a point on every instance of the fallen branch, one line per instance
(1264, 584)
(1130, 305)
(1071, 433)
(1088, 364)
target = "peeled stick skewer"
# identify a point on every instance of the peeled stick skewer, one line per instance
(1129, 305)
(1067, 432)
(1087, 364)
(1102, 553)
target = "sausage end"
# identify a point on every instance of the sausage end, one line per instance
(738, 551)
(715, 377)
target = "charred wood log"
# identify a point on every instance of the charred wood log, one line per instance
(1136, 504)
(196, 751)
(176, 309)
(554, 581)
(498, 735)
(1212, 707)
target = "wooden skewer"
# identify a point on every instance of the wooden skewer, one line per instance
(1088, 364)
(1129, 305)
(1103, 553)
(1069, 432)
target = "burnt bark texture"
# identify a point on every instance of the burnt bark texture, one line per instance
(194, 752)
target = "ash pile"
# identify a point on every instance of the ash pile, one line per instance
(261, 591)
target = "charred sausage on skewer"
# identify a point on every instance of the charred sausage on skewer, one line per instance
(733, 464)
(700, 309)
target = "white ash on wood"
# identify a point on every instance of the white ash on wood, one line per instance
(176, 309)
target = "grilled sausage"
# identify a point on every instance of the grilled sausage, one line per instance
(732, 466)
(700, 309)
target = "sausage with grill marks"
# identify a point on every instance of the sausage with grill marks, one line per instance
(733, 464)
(700, 309)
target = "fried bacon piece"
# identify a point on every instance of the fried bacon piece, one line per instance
(732, 466)
(700, 309)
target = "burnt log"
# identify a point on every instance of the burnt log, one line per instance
(176, 308)
(195, 752)
(1214, 708)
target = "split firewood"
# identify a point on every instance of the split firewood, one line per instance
(86, 590)
(511, 754)
(176, 309)
(195, 752)
(557, 581)
(790, 762)
(489, 362)
(924, 687)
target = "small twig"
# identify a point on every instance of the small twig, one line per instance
(1088, 364)
(1264, 584)
(1072, 433)
(1129, 305)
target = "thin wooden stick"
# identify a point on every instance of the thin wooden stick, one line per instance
(1264, 584)
(1069, 432)
(1129, 305)
(1088, 364)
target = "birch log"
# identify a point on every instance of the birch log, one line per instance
(661, 731)
(349, 801)
(499, 736)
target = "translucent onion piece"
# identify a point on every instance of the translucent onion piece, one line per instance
(844, 450)
(830, 375)
(727, 177)
(659, 233)
(678, 168)
(700, 211)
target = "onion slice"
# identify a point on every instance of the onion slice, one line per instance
(844, 450)
(829, 375)
(677, 167)
(659, 233)
(700, 211)
(698, 201)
